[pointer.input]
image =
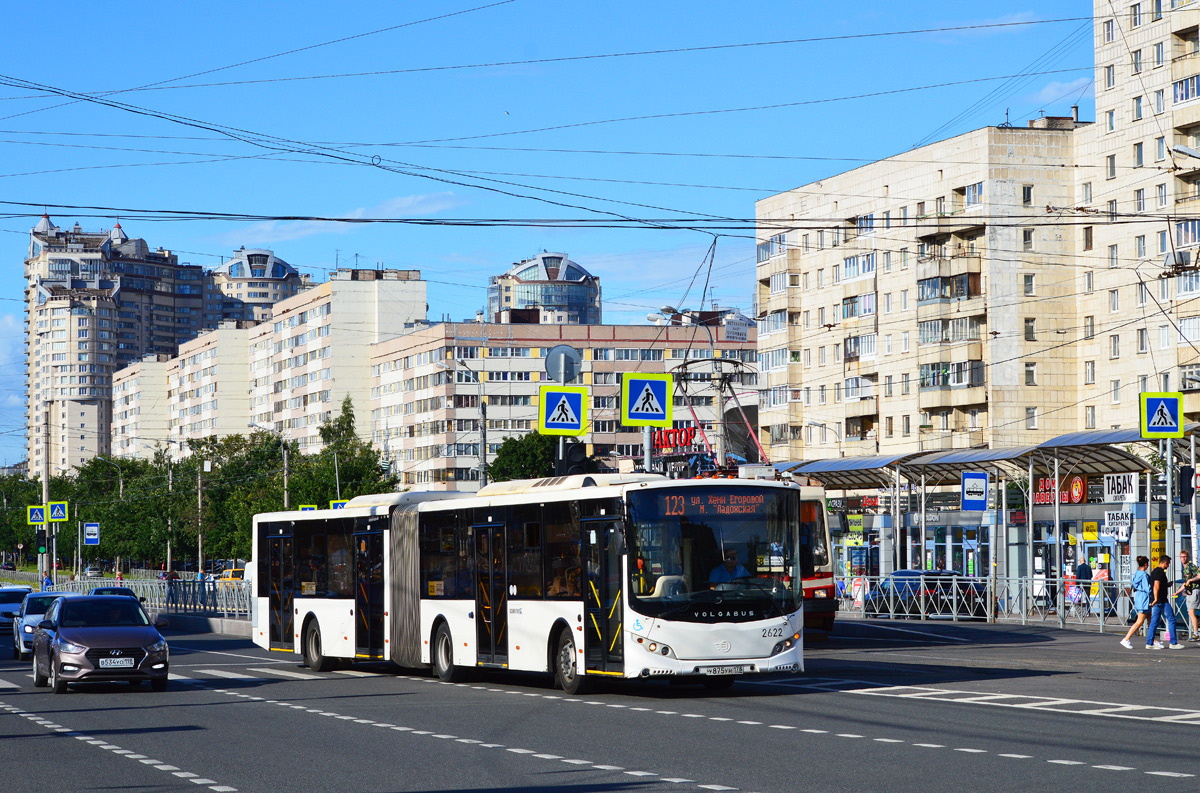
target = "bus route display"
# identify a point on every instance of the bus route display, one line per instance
(714, 504)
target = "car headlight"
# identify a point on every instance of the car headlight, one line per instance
(70, 647)
(29, 629)
(159, 646)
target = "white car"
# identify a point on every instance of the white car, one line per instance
(93, 572)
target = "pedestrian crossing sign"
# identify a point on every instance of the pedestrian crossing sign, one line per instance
(58, 511)
(35, 515)
(562, 410)
(1162, 415)
(339, 503)
(308, 507)
(646, 400)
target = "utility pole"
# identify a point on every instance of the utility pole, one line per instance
(285, 471)
(45, 478)
(482, 438)
(170, 507)
(199, 522)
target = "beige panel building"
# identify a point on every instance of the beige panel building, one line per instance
(920, 302)
(426, 386)
(207, 384)
(141, 410)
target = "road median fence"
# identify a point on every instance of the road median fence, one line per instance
(1101, 605)
(226, 599)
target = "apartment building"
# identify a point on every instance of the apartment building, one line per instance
(549, 289)
(290, 374)
(98, 301)
(921, 302)
(94, 302)
(141, 411)
(207, 393)
(426, 386)
(1136, 229)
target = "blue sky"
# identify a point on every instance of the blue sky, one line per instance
(54, 152)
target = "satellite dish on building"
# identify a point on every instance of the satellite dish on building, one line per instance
(563, 363)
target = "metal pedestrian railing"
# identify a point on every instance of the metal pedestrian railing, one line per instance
(1105, 606)
(229, 599)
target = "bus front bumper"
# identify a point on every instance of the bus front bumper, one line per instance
(787, 661)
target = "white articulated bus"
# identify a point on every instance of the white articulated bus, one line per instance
(624, 575)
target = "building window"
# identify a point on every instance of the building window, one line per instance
(1138, 159)
(1030, 373)
(1089, 327)
(1089, 281)
(1114, 346)
(1108, 31)
(1158, 55)
(1110, 77)
(1114, 388)
(1031, 418)
(1087, 238)
(1114, 301)
(1029, 289)
(1089, 417)
(1089, 372)
(1110, 120)
(1160, 149)
(1160, 102)
(1139, 200)
(887, 385)
(1027, 195)
(1113, 258)
(1139, 246)
(906, 422)
(904, 344)
(1143, 340)
(1137, 61)
(1030, 329)
(1085, 192)
(1161, 192)
(1162, 242)
(905, 384)
(887, 423)
(1135, 15)
(1112, 210)
(1110, 167)
(1027, 239)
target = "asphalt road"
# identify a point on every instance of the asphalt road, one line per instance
(901, 706)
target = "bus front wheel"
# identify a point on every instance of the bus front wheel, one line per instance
(443, 657)
(313, 658)
(566, 670)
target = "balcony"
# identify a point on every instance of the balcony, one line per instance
(860, 447)
(1186, 116)
(939, 397)
(957, 221)
(949, 352)
(951, 307)
(1184, 15)
(864, 406)
(942, 266)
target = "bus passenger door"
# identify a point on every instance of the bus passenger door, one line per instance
(602, 552)
(368, 595)
(279, 553)
(491, 594)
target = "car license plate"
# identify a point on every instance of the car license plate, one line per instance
(119, 663)
(723, 670)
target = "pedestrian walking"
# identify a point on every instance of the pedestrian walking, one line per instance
(1160, 607)
(1140, 588)
(1083, 585)
(1189, 587)
(47, 582)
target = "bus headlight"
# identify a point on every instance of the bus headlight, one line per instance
(659, 649)
(786, 644)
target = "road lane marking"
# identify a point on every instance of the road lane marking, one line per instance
(1114, 767)
(1016, 756)
(286, 673)
(227, 674)
(1065, 762)
(6, 684)
(1172, 774)
(360, 673)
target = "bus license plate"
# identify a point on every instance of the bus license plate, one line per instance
(723, 670)
(120, 663)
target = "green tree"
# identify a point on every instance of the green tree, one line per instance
(527, 457)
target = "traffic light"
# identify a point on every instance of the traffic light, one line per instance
(1187, 484)
(572, 461)
(40, 541)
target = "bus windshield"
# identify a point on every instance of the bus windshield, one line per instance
(715, 553)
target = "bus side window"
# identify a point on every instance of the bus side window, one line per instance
(562, 551)
(439, 557)
(341, 558)
(525, 550)
(310, 574)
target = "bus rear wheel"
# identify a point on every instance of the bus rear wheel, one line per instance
(566, 669)
(443, 657)
(313, 658)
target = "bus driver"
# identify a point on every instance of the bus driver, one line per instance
(729, 570)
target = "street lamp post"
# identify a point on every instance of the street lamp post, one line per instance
(282, 443)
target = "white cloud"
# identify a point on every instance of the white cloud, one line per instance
(403, 206)
(1055, 91)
